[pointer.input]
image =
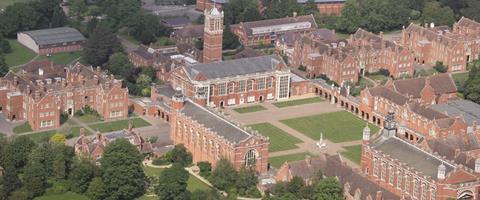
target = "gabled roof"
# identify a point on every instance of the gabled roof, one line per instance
(391, 95)
(468, 110)
(441, 84)
(238, 67)
(425, 111)
(55, 35)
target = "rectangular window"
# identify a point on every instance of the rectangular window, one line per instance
(250, 85)
(424, 191)
(407, 184)
(242, 86)
(399, 179)
(261, 83)
(116, 113)
(283, 87)
(415, 188)
(433, 193)
(231, 88)
(222, 89)
(269, 82)
(375, 167)
(391, 174)
(384, 171)
(47, 123)
(211, 89)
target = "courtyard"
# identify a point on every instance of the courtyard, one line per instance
(294, 128)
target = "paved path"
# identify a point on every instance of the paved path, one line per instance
(7, 127)
(127, 45)
(273, 115)
(83, 124)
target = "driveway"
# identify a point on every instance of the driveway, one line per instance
(5, 126)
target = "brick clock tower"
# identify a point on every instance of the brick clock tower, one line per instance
(213, 36)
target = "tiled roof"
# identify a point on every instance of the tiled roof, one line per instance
(388, 94)
(410, 87)
(55, 35)
(410, 155)
(236, 67)
(468, 110)
(177, 21)
(443, 84)
(425, 111)
(143, 52)
(195, 31)
(214, 122)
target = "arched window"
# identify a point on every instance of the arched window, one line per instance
(251, 157)
(212, 149)
(204, 143)
(218, 151)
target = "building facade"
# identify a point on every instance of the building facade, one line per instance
(213, 36)
(53, 40)
(412, 172)
(41, 91)
(211, 137)
(327, 7)
(235, 82)
(266, 31)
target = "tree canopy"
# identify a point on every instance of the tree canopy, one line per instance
(101, 44)
(172, 183)
(472, 84)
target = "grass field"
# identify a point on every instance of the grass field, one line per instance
(249, 109)
(192, 184)
(19, 55)
(460, 78)
(23, 128)
(45, 135)
(279, 160)
(337, 127)
(64, 196)
(87, 118)
(62, 58)
(353, 153)
(279, 139)
(119, 125)
(297, 102)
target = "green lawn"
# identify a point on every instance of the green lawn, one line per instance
(62, 58)
(297, 102)
(379, 78)
(23, 128)
(192, 184)
(460, 78)
(119, 125)
(19, 55)
(279, 160)
(163, 41)
(87, 118)
(45, 135)
(249, 109)
(64, 196)
(353, 153)
(337, 127)
(279, 139)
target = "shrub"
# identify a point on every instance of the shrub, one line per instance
(63, 117)
(153, 139)
(205, 168)
(160, 162)
(440, 67)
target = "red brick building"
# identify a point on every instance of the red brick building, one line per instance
(235, 82)
(210, 137)
(413, 172)
(53, 40)
(41, 91)
(373, 53)
(455, 48)
(213, 36)
(266, 31)
(142, 56)
(328, 7)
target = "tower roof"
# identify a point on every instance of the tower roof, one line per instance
(214, 12)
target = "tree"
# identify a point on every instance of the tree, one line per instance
(58, 138)
(350, 19)
(246, 180)
(18, 17)
(101, 44)
(438, 14)
(9, 183)
(230, 40)
(144, 80)
(295, 185)
(202, 194)
(15, 154)
(146, 28)
(120, 65)
(472, 84)
(4, 46)
(328, 189)
(440, 67)
(180, 155)
(97, 189)
(224, 175)
(122, 170)
(3, 66)
(205, 168)
(237, 11)
(78, 8)
(310, 8)
(119, 12)
(36, 173)
(172, 183)
(82, 173)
